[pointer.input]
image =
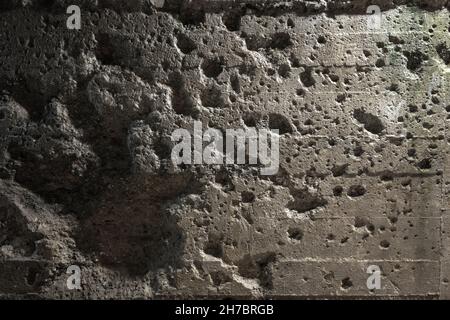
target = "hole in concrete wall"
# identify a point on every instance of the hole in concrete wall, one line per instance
(284, 70)
(32, 275)
(214, 246)
(371, 122)
(307, 78)
(182, 101)
(219, 278)
(415, 59)
(185, 44)
(360, 222)
(290, 23)
(277, 41)
(235, 83)
(321, 39)
(329, 277)
(280, 41)
(305, 201)
(258, 267)
(413, 108)
(254, 42)
(346, 283)
(212, 98)
(251, 119)
(356, 191)
(444, 52)
(212, 68)
(295, 233)
(247, 197)
(337, 191)
(424, 164)
(232, 20)
(380, 63)
(300, 92)
(339, 170)
(105, 51)
(280, 123)
(384, 244)
(223, 177)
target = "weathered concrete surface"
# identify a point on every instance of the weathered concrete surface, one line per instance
(85, 173)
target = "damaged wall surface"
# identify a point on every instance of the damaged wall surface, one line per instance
(86, 177)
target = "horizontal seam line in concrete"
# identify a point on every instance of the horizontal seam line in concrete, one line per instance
(376, 217)
(379, 33)
(369, 140)
(311, 259)
(365, 92)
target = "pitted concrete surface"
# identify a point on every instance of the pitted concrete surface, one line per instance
(86, 118)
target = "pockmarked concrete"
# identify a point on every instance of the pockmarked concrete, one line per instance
(93, 207)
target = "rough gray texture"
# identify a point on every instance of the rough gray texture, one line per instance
(85, 172)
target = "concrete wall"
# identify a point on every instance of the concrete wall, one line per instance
(86, 118)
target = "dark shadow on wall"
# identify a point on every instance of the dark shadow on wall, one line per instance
(129, 228)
